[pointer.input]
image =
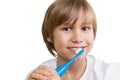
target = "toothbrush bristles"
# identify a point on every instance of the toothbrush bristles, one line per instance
(78, 50)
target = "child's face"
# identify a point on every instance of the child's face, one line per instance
(68, 38)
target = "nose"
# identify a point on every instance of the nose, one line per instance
(77, 37)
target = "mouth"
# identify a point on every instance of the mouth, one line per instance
(75, 50)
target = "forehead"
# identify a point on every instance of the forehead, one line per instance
(83, 16)
(64, 13)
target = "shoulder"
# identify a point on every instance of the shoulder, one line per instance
(100, 65)
(112, 72)
(104, 70)
(50, 63)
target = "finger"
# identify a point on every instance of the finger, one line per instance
(43, 70)
(31, 79)
(54, 75)
(44, 67)
(35, 76)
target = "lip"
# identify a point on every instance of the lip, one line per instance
(74, 49)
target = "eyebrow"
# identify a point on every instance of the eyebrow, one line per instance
(87, 22)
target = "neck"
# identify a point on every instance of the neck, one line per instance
(78, 67)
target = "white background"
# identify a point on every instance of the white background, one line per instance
(21, 44)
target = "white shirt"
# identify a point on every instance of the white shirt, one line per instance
(95, 70)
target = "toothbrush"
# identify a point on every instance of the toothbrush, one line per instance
(63, 68)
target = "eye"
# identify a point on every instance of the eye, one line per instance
(67, 29)
(85, 28)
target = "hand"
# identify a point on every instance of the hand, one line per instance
(44, 73)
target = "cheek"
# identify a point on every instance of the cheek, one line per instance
(90, 42)
(59, 41)
(91, 38)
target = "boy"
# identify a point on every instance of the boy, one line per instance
(70, 25)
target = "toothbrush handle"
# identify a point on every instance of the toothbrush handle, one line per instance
(63, 68)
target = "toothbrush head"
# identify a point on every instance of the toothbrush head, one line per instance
(79, 49)
(79, 52)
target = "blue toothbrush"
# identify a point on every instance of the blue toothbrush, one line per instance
(63, 68)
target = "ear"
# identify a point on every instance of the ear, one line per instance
(48, 39)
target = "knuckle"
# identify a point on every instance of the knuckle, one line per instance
(35, 76)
